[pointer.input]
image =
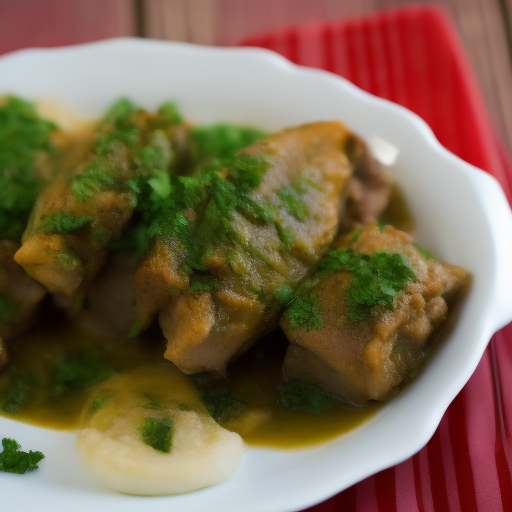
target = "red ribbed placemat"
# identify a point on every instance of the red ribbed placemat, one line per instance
(413, 57)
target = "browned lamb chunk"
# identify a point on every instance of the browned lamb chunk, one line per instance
(206, 325)
(77, 215)
(19, 296)
(357, 352)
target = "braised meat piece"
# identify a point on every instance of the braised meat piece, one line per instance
(108, 308)
(361, 325)
(19, 296)
(368, 190)
(28, 147)
(260, 224)
(76, 217)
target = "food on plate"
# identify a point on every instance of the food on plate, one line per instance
(261, 222)
(155, 438)
(169, 254)
(28, 147)
(360, 324)
(89, 203)
(13, 460)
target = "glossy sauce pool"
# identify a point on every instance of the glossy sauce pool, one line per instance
(253, 380)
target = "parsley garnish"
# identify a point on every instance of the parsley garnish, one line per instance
(219, 403)
(13, 460)
(376, 281)
(8, 308)
(63, 223)
(95, 178)
(157, 433)
(101, 401)
(19, 392)
(294, 204)
(304, 310)
(376, 278)
(66, 261)
(304, 397)
(23, 136)
(79, 371)
(221, 141)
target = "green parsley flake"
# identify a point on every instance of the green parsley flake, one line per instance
(63, 223)
(424, 252)
(67, 262)
(8, 308)
(171, 112)
(220, 404)
(101, 401)
(221, 141)
(95, 178)
(23, 137)
(305, 397)
(135, 328)
(13, 460)
(304, 311)
(157, 433)
(294, 204)
(19, 393)
(376, 279)
(78, 372)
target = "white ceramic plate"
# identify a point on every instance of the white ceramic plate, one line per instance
(461, 214)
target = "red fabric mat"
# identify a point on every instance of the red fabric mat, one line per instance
(413, 57)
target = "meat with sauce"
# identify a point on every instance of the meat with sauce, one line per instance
(359, 353)
(250, 258)
(20, 296)
(87, 206)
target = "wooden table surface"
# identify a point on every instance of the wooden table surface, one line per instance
(485, 27)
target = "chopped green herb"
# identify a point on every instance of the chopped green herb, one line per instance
(304, 310)
(8, 308)
(135, 328)
(23, 138)
(93, 179)
(13, 460)
(19, 393)
(221, 141)
(67, 262)
(424, 252)
(201, 284)
(154, 403)
(219, 403)
(161, 184)
(63, 223)
(101, 401)
(157, 433)
(184, 407)
(304, 397)
(284, 294)
(294, 204)
(376, 278)
(355, 235)
(171, 112)
(77, 372)
(152, 159)
(286, 235)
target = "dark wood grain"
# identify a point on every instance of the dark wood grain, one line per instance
(483, 25)
(29, 23)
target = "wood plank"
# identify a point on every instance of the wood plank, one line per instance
(482, 25)
(483, 32)
(166, 19)
(29, 23)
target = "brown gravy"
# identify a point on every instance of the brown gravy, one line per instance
(253, 380)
